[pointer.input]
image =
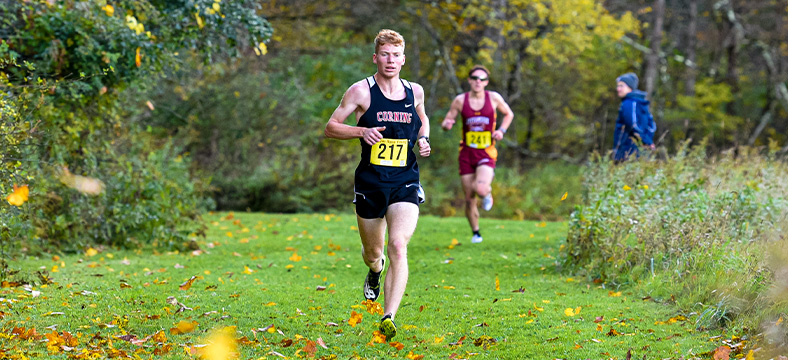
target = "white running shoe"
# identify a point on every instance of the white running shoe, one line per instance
(487, 202)
(476, 239)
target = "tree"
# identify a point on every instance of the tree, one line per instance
(70, 72)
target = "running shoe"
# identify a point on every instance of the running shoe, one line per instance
(487, 202)
(372, 283)
(388, 327)
(475, 239)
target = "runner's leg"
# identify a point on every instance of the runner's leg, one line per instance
(471, 211)
(373, 236)
(402, 218)
(484, 178)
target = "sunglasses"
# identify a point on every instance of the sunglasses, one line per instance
(473, 77)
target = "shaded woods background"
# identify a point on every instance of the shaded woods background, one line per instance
(227, 102)
(713, 69)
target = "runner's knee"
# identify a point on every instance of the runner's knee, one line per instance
(398, 249)
(372, 254)
(470, 201)
(482, 188)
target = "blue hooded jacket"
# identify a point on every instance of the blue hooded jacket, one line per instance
(634, 121)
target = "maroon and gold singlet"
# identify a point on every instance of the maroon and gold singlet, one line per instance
(477, 146)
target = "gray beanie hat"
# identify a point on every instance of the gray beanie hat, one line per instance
(630, 79)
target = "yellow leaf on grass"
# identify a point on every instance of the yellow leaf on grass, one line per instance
(614, 293)
(355, 318)
(373, 307)
(221, 345)
(295, 257)
(247, 270)
(91, 252)
(413, 356)
(564, 197)
(159, 337)
(569, 312)
(377, 338)
(188, 283)
(538, 308)
(497, 284)
(183, 327)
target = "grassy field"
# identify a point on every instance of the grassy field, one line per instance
(289, 284)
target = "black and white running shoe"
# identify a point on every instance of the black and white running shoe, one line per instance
(372, 283)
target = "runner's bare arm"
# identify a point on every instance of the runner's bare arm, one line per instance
(356, 98)
(454, 110)
(424, 144)
(502, 107)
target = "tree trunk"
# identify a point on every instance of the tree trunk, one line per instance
(733, 44)
(692, 40)
(415, 64)
(652, 59)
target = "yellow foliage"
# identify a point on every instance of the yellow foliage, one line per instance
(19, 196)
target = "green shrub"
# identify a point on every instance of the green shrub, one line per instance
(690, 228)
(68, 74)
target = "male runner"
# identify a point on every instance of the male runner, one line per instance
(477, 147)
(390, 120)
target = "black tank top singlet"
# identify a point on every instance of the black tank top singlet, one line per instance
(401, 122)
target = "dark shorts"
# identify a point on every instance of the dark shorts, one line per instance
(372, 204)
(471, 158)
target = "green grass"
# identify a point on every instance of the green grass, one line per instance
(451, 294)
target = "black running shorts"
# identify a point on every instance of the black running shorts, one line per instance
(372, 204)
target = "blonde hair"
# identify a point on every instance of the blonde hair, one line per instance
(387, 36)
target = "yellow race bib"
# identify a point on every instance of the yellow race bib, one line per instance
(390, 152)
(478, 139)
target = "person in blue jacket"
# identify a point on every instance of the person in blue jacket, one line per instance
(634, 123)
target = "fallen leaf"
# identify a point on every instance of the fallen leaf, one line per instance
(355, 318)
(188, 284)
(722, 353)
(183, 327)
(413, 356)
